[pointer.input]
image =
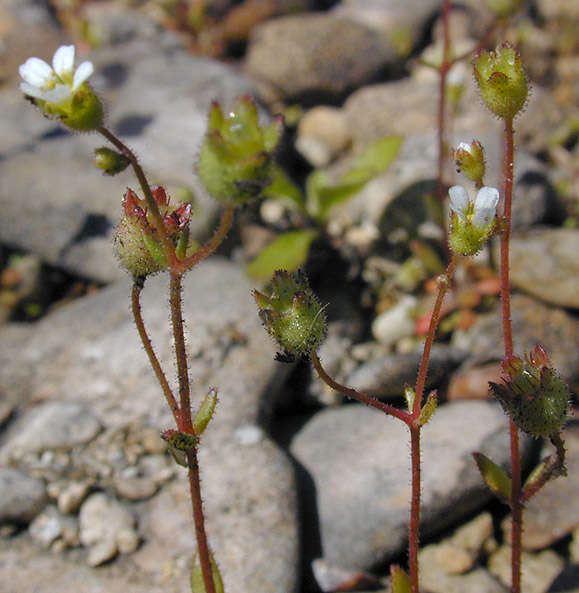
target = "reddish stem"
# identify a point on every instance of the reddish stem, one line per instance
(516, 503)
(154, 361)
(199, 520)
(357, 395)
(443, 286)
(414, 527)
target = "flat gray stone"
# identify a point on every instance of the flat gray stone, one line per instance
(22, 497)
(358, 463)
(247, 481)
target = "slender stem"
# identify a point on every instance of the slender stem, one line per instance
(184, 423)
(199, 519)
(361, 397)
(414, 528)
(154, 361)
(516, 502)
(151, 204)
(225, 223)
(443, 285)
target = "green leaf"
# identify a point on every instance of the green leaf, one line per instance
(282, 187)
(409, 394)
(321, 196)
(197, 584)
(494, 476)
(400, 580)
(428, 408)
(373, 160)
(288, 251)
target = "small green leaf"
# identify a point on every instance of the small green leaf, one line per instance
(494, 476)
(205, 412)
(409, 394)
(321, 196)
(400, 580)
(197, 584)
(288, 251)
(282, 187)
(428, 408)
(375, 159)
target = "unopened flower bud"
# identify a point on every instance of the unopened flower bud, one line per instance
(236, 157)
(501, 80)
(137, 243)
(292, 314)
(110, 161)
(533, 394)
(472, 222)
(470, 159)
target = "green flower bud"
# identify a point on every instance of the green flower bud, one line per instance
(236, 157)
(206, 411)
(470, 159)
(110, 161)
(533, 394)
(472, 222)
(292, 315)
(501, 80)
(136, 241)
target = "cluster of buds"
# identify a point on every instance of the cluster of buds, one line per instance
(236, 158)
(501, 80)
(62, 92)
(470, 160)
(137, 244)
(472, 222)
(533, 394)
(292, 315)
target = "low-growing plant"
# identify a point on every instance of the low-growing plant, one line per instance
(236, 165)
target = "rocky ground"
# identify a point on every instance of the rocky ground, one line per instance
(302, 493)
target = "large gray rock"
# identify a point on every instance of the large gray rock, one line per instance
(56, 203)
(22, 497)
(358, 464)
(544, 263)
(315, 55)
(91, 349)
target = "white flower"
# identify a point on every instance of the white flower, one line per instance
(481, 212)
(57, 83)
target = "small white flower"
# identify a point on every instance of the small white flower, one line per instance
(57, 83)
(481, 212)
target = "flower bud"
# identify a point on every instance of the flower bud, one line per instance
(501, 80)
(292, 314)
(136, 241)
(205, 413)
(533, 394)
(472, 222)
(110, 161)
(236, 157)
(470, 159)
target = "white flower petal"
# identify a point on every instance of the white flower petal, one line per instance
(458, 199)
(63, 60)
(464, 146)
(36, 72)
(485, 206)
(58, 94)
(32, 91)
(82, 73)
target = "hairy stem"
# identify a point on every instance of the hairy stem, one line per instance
(146, 188)
(357, 395)
(443, 286)
(516, 503)
(199, 520)
(414, 527)
(153, 360)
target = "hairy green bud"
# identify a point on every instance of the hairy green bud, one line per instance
(292, 315)
(533, 394)
(236, 158)
(501, 80)
(470, 160)
(110, 161)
